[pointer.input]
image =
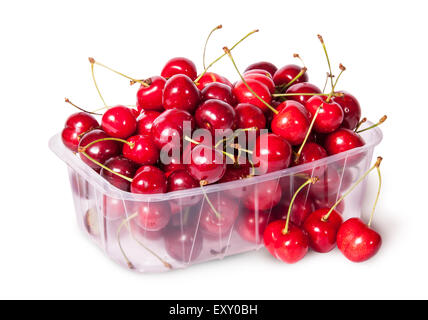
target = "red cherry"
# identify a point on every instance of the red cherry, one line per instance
(210, 77)
(263, 65)
(243, 95)
(183, 243)
(263, 196)
(329, 118)
(114, 208)
(284, 75)
(180, 93)
(175, 163)
(150, 97)
(266, 80)
(311, 152)
(206, 164)
(290, 247)
(143, 150)
(303, 87)
(327, 201)
(168, 127)
(258, 71)
(100, 151)
(219, 223)
(215, 116)
(119, 122)
(351, 109)
(145, 122)
(153, 216)
(322, 232)
(249, 116)
(179, 65)
(292, 122)
(342, 140)
(182, 180)
(357, 241)
(122, 166)
(251, 225)
(303, 206)
(233, 173)
(76, 125)
(271, 153)
(331, 182)
(148, 180)
(220, 91)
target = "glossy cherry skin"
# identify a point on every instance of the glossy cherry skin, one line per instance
(342, 140)
(311, 152)
(303, 87)
(284, 75)
(329, 118)
(244, 95)
(331, 182)
(168, 127)
(251, 225)
(210, 77)
(303, 206)
(327, 201)
(357, 241)
(262, 196)
(174, 164)
(292, 122)
(184, 244)
(263, 65)
(76, 125)
(220, 91)
(119, 122)
(351, 109)
(149, 180)
(249, 116)
(215, 116)
(206, 164)
(150, 98)
(182, 180)
(290, 247)
(181, 93)
(263, 78)
(122, 166)
(179, 65)
(100, 151)
(322, 233)
(143, 150)
(271, 153)
(114, 208)
(145, 122)
(233, 173)
(218, 226)
(153, 216)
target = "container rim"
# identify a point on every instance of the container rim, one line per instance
(372, 138)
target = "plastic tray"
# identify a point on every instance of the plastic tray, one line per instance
(192, 235)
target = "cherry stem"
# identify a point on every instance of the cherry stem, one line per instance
(206, 43)
(81, 109)
(220, 57)
(359, 124)
(227, 51)
(296, 55)
(301, 73)
(253, 169)
(238, 147)
(83, 149)
(222, 151)
(92, 61)
(376, 165)
(325, 83)
(328, 59)
(336, 94)
(342, 68)
(125, 222)
(382, 120)
(234, 135)
(308, 133)
(377, 197)
(309, 181)
(203, 183)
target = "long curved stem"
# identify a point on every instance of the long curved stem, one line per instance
(301, 73)
(92, 61)
(308, 133)
(206, 43)
(377, 197)
(342, 68)
(222, 151)
(359, 124)
(81, 109)
(203, 184)
(382, 120)
(328, 59)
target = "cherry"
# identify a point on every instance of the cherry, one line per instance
(271, 153)
(76, 125)
(351, 109)
(251, 225)
(175, 163)
(342, 140)
(122, 166)
(218, 215)
(292, 122)
(322, 201)
(145, 121)
(266, 80)
(249, 116)
(220, 91)
(141, 149)
(180, 93)
(114, 208)
(331, 182)
(244, 95)
(168, 127)
(119, 122)
(303, 87)
(329, 117)
(262, 196)
(149, 96)
(182, 180)
(153, 216)
(206, 164)
(149, 180)
(179, 65)
(211, 77)
(357, 241)
(322, 230)
(233, 173)
(100, 151)
(311, 152)
(215, 115)
(263, 65)
(284, 75)
(184, 244)
(303, 206)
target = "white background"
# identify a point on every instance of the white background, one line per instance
(43, 58)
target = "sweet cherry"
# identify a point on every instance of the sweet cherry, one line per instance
(180, 93)
(145, 122)
(183, 243)
(220, 91)
(351, 109)
(244, 95)
(330, 116)
(303, 206)
(263, 65)
(149, 96)
(75, 126)
(179, 65)
(215, 115)
(153, 216)
(119, 122)
(211, 77)
(262, 196)
(141, 149)
(342, 140)
(251, 225)
(303, 87)
(206, 164)
(249, 116)
(122, 166)
(266, 80)
(284, 75)
(149, 180)
(217, 220)
(271, 153)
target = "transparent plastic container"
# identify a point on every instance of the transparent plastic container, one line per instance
(194, 233)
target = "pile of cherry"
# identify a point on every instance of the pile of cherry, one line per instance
(292, 122)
